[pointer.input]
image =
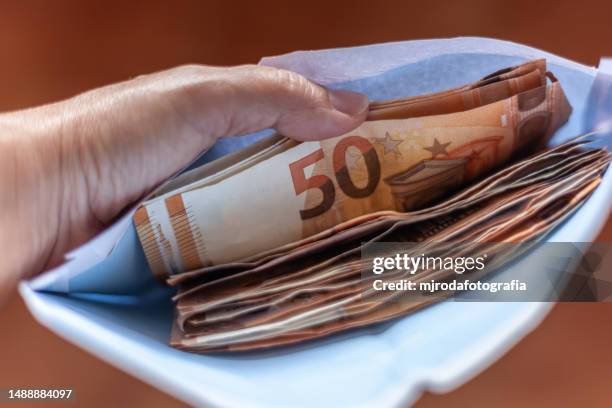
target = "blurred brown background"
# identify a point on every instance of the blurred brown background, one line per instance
(54, 49)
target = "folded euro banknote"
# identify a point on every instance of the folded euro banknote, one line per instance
(265, 244)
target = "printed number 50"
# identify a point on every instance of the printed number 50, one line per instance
(323, 183)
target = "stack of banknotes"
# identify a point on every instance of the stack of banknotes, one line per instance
(265, 245)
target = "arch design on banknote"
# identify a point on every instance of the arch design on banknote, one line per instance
(439, 176)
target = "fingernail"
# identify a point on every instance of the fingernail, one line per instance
(351, 103)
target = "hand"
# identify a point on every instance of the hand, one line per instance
(68, 169)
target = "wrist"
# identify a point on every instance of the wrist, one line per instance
(29, 174)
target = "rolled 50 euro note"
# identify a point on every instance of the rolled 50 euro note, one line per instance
(280, 191)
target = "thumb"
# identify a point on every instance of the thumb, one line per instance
(232, 101)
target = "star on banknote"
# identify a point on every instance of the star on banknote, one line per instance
(389, 144)
(437, 148)
(354, 160)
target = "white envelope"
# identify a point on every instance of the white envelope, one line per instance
(105, 300)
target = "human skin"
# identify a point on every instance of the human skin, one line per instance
(68, 169)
